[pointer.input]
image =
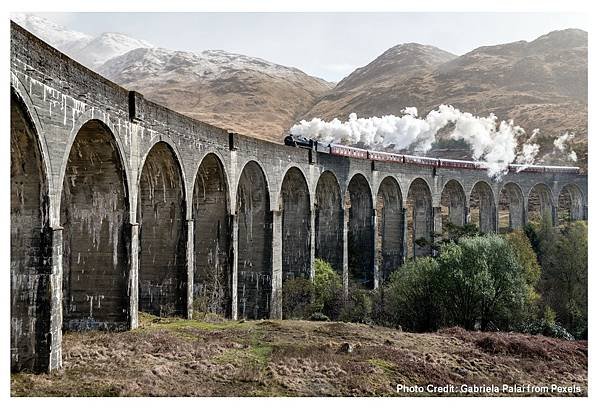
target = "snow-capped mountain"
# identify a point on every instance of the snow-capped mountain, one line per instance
(90, 51)
(138, 64)
(245, 94)
(107, 46)
(237, 92)
(54, 34)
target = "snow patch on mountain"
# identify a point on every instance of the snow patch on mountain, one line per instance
(209, 65)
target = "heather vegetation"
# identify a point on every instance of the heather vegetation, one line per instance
(532, 281)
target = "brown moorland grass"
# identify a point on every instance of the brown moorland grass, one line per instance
(177, 357)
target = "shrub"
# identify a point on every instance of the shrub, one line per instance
(546, 328)
(358, 307)
(328, 290)
(297, 298)
(411, 298)
(318, 317)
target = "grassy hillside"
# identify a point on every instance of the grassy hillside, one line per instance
(175, 357)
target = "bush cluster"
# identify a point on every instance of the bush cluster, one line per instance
(533, 281)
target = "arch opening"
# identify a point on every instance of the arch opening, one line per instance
(255, 232)
(390, 228)
(510, 208)
(94, 217)
(570, 204)
(295, 206)
(453, 204)
(162, 237)
(482, 208)
(419, 219)
(329, 217)
(539, 203)
(359, 206)
(30, 245)
(212, 264)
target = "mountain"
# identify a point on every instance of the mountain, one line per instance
(248, 95)
(107, 46)
(88, 50)
(245, 94)
(539, 84)
(68, 41)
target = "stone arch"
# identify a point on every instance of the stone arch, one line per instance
(511, 209)
(268, 183)
(539, 202)
(162, 235)
(254, 249)
(295, 225)
(329, 217)
(570, 204)
(358, 202)
(453, 205)
(212, 243)
(30, 243)
(95, 220)
(390, 227)
(419, 218)
(82, 120)
(482, 208)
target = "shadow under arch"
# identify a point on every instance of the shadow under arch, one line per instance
(570, 204)
(96, 235)
(482, 207)
(254, 244)
(453, 205)
(389, 239)
(212, 289)
(162, 233)
(294, 204)
(511, 207)
(329, 218)
(419, 219)
(539, 203)
(30, 243)
(358, 202)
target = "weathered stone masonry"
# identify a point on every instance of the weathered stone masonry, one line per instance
(120, 205)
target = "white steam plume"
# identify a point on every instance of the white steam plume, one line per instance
(490, 141)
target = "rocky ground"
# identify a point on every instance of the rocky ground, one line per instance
(175, 357)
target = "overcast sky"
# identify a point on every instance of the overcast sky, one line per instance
(327, 45)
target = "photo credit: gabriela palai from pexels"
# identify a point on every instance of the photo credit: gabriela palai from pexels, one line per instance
(484, 389)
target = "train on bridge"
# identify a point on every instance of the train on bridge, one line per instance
(433, 162)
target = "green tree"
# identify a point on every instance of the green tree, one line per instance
(411, 297)
(563, 258)
(483, 281)
(527, 258)
(328, 290)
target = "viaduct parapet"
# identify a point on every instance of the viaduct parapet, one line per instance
(119, 204)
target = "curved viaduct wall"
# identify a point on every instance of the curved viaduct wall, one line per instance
(119, 205)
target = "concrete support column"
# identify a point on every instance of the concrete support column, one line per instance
(345, 253)
(585, 212)
(437, 225)
(277, 265)
(404, 236)
(56, 312)
(190, 268)
(554, 212)
(376, 258)
(234, 266)
(133, 283)
(312, 244)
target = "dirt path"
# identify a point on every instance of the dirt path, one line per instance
(174, 357)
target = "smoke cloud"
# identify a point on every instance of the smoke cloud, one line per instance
(492, 142)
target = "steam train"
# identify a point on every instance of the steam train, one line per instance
(357, 153)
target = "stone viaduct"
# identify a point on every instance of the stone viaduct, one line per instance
(119, 205)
